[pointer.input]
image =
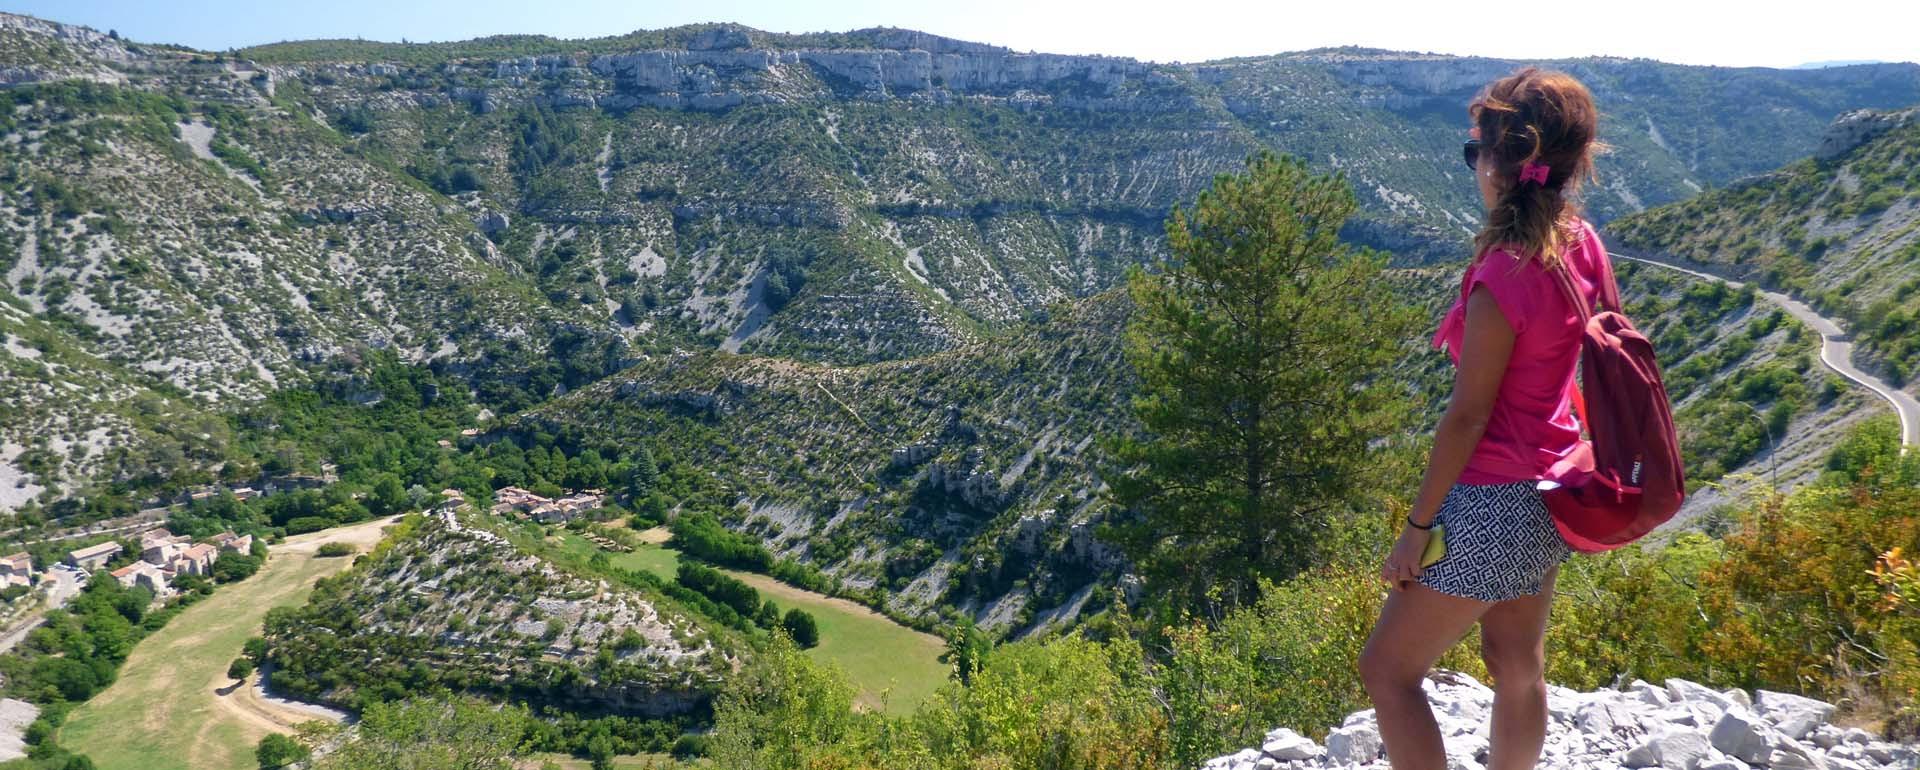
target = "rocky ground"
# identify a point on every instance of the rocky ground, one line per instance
(1681, 726)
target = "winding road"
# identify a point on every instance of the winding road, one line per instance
(1836, 347)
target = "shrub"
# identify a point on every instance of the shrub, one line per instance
(701, 535)
(276, 751)
(801, 626)
(335, 550)
(720, 587)
(240, 668)
(304, 524)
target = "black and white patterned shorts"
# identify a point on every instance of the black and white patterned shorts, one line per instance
(1500, 542)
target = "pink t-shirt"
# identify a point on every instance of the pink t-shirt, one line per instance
(1532, 424)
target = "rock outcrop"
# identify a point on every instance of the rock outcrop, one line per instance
(1681, 726)
(1857, 128)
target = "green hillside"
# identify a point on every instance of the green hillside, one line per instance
(1841, 230)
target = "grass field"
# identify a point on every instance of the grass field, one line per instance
(170, 708)
(880, 657)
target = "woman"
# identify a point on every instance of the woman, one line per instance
(1515, 340)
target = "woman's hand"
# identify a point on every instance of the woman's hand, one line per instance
(1403, 564)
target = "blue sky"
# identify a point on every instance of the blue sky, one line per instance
(1723, 33)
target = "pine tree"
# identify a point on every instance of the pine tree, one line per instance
(1260, 343)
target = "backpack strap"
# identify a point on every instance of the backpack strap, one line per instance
(1609, 294)
(1563, 275)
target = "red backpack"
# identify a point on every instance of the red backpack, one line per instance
(1627, 478)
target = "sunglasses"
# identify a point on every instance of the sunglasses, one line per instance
(1471, 152)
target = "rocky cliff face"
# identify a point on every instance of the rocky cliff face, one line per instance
(536, 214)
(1857, 128)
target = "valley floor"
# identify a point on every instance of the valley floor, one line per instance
(173, 706)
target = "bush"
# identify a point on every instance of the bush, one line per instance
(1289, 659)
(276, 751)
(232, 567)
(701, 535)
(240, 668)
(335, 550)
(801, 626)
(304, 524)
(720, 587)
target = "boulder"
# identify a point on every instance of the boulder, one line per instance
(1648, 693)
(1683, 690)
(1741, 735)
(1793, 715)
(1600, 718)
(1722, 763)
(1789, 754)
(1471, 746)
(1672, 750)
(1354, 745)
(1826, 736)
(1287, 746)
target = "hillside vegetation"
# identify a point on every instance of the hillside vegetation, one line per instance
(465, 610)
(186, 230)
(1841, 229)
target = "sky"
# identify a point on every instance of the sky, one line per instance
(1680, 31)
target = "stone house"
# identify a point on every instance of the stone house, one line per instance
(16, 570)
(195, 560)
(94, 556)
(141, 573)
(228, 542)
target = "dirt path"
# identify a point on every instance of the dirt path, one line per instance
(1836, 347)
(173, 705)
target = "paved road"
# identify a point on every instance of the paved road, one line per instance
(1836, 347)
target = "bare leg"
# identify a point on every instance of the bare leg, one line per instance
(1416, 626)
(1513, 640)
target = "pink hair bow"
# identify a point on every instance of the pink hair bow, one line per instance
(1534, 172)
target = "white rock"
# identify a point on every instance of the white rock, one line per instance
(1352, 745)
(1600, 718)
(1741, 735)
(1474, 747)
(1359, 717)
(1738, 697)
(1647, 693)
(1267, 763)
(1881, 752)
(1287, 746)
(1826, 736)
(1790, 754)
(1722, 763)
(1672, 750)
(1857, 735)
(1683, 690)
(1793, 715)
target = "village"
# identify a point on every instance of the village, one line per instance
(164, 557)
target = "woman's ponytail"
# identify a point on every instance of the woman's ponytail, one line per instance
(1530, 119)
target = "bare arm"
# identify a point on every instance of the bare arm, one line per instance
(1485, 346)
(1484, 349)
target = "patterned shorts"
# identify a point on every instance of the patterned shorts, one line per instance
(1500, 542)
